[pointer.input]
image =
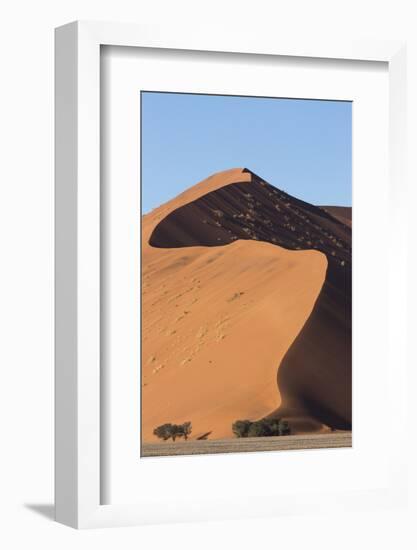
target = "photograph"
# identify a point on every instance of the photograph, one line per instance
(246, 273)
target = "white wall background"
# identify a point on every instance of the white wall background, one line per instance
(26, 271)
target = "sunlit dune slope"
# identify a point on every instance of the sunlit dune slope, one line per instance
(234, 270)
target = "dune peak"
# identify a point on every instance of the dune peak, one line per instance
(234, 255)
(237, 204)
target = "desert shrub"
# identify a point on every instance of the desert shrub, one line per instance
(167, 431)
(266, 427)
(284, 428)
(240, 428)
(258, 429)
(184, 430)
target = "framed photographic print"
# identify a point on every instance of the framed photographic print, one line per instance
(219, 276)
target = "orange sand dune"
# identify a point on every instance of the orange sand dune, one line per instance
(221, 310)
(210, 347)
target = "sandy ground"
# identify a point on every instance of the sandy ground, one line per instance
(250, 444)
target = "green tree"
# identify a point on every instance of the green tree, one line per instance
(259, 429)
(241, 427)
(172, 431)
(284, 428)
(166, 431)
(184, 430)
(266, 427)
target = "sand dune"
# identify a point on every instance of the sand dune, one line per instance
(241, 281)
(341, 213)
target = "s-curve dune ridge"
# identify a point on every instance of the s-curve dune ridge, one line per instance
(245, 309)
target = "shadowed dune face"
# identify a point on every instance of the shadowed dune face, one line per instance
(257, 211)
(285, 302)
(341, 213)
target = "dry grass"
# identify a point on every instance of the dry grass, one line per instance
(250, 444)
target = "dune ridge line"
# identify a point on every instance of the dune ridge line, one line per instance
(249, 281)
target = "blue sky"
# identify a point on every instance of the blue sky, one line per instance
(301, 146)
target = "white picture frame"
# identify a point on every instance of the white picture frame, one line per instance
(78, 260)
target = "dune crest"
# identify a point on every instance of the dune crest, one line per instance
(240, 278)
